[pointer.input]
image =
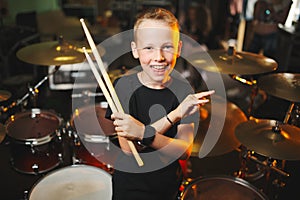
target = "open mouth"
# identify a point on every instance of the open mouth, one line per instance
(159, 68)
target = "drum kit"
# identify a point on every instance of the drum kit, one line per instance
(263, 142)
(36, 135)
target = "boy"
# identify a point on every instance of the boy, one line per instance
(162, 113)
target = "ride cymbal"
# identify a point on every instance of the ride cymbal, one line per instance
(4, 95)
(282, 85)
(227, 141)
(270, 139)
(51, 53)
(242, 63)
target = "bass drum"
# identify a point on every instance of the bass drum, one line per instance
(36, 143)
(78, 182)
(221, 187)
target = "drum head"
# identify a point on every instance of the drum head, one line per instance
(80, 182)
(90, 120)
(216, 188)
(32, 125)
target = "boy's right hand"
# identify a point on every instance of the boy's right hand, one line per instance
(191, 104)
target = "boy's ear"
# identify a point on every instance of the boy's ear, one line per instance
(179, 48)
(134, 50)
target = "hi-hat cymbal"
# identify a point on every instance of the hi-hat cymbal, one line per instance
(265, 138)
(242, 63)
(227, 141)
(282, 85)
(4, 95)
(52, 53)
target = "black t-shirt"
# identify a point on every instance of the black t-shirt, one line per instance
(149, 105)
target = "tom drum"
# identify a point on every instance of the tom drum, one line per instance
(36, 144)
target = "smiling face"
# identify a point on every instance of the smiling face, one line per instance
(156, 46)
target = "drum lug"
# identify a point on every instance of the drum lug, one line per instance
(26, 195)
(32, 148)
(75, 160)
(35, 168)
(60, 157)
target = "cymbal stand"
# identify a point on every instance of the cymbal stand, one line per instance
(33, 91)
(288, 113)
(254, 90)
(263, 166)
(295, 116)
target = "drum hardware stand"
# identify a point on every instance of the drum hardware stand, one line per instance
(254, 91)
(264, 167)
(269, 165)
(33, 91)
(288, 113)
(293, 115)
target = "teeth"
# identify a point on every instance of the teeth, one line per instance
(158, 67)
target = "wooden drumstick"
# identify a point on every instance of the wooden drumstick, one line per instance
(111, 97)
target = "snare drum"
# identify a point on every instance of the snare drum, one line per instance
(78, 182)
(36, 145)
(90, 136)
(221, 187)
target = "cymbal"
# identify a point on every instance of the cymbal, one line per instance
(51, 53)
(4, 95)
(242, 63)
(2, 132)
(227, 141)
(265, 138)
(282, 85)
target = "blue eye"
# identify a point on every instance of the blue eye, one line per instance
(169, 48)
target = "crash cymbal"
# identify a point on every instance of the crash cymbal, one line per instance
(52, 53)
(2, 132)
(282, 85)
(4, 95)
(269, 139)
(227, 141)
(242, 63)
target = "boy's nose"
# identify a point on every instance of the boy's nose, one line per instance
(159, 56)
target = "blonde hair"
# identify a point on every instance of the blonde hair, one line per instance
(159, 14)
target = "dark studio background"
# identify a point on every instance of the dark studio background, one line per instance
(23, 23)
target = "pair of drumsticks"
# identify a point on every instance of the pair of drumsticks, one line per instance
(110, 94)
